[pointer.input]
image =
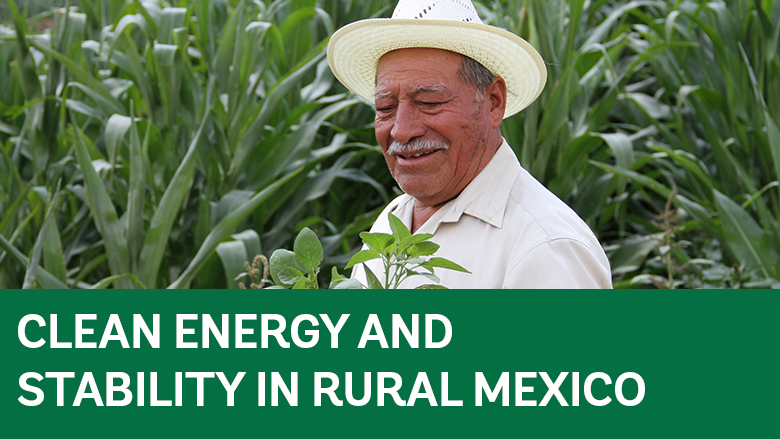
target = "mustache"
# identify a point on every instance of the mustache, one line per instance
(415, 146)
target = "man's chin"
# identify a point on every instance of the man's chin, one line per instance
(427, 194)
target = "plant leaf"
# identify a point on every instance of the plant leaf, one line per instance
(107, 282)
(251, 241)
(745, 237)
(83, 76)
(411, 240)
(254, 132)
(104, 214)
(156, 239)
(430, 276)
(376, 241)
(363, 256)
(32, 264)
(444, 263)
(115, 131)
(135, 198)
(41, 275)
(225, 227)
(400, 231)
(233, 255)
(348, 284)
(773, 136)
(373, 282)
(280, 260)
(621, 147)
(336, 277)
(53, 257)
(425, 248)
(308, 250)
(302, 283)
(289, 276)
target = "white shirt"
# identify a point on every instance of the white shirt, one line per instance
(509, 231)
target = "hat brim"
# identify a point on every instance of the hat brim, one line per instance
(355, 49)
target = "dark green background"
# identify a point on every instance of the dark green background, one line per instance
(709, 361)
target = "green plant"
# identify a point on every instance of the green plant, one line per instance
(172, 127)
(648, 98)
(403, 255)
(216, 131)
(258, 279)
(299, 268)
(668, 247)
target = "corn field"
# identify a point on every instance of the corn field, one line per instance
(150, 144)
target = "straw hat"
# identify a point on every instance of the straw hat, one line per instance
(355, 49)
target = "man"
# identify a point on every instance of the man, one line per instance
(442, 82)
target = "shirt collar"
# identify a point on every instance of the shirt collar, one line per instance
(484, 198)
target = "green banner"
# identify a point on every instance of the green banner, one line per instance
(373, 364)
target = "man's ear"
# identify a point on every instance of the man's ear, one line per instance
(495, 98)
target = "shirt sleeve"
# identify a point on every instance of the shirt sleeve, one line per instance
(560, 263)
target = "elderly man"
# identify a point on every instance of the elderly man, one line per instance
(442, 82)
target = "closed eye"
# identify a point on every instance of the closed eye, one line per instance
(384, 112)
(430, 105)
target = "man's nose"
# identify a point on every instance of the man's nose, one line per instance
(407, 124)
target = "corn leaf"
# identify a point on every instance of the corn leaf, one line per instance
(225, 227)
(104, 214)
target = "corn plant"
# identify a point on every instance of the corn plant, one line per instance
(179, 135)
(647, 99)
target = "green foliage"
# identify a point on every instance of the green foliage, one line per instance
(298, 269)
(154, 144)
(403, 255)
(649, 99)
(172, 128)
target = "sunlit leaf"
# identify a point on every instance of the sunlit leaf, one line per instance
(443, 263)
(363, 256)
(308, 250)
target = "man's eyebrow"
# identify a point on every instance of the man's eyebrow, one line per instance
(386, 94)
(421, 89)
(428, 88)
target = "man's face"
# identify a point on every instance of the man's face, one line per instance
(421, 99)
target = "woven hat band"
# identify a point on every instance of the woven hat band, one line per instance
(455, 10)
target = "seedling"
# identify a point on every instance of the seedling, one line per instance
(403, 256)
